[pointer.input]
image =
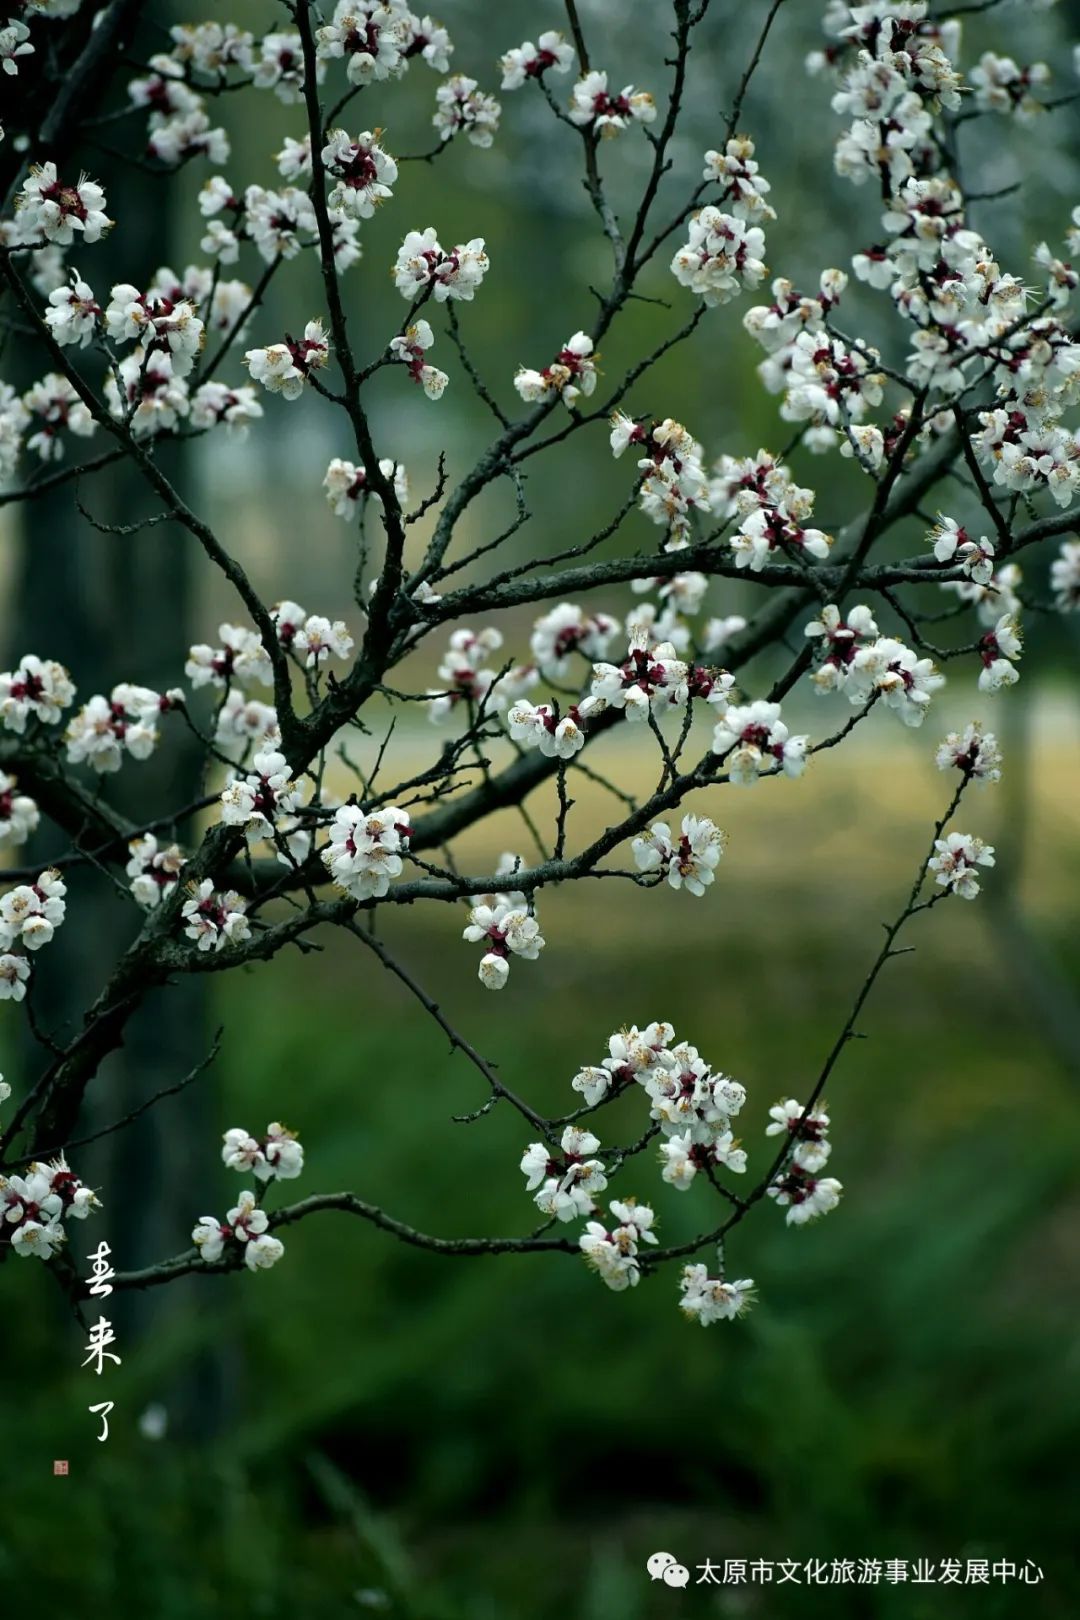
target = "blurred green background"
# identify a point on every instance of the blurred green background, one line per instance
(372, 1429)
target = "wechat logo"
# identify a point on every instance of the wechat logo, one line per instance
(663, 1567)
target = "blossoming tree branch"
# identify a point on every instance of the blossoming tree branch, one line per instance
(957, 426)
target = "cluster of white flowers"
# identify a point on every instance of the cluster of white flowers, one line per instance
(310, 636)
(49, 209)
(424, 267)
(155, 322)
(570, 375)
(895, 74)
(973, 752)
(178, 126)
(154, 870)
(557, 735)
(721, 256)
(147, 389)
(569, 629)
(529, 61)
(799, 1187)
(38, 688)
(1003, 86)
(215, 920)
(240, 657)
(688, 861)
(831, 385)
(463, 674)
(410, 347)
(366, 848)
(505, 926)
(807, 1129)
(725, 247)
(999, 652)
(611, 1251)
(283, 368)
(593, 107)
(563, 1187)
(377, 39)
(893, 63)
(460, 105)
(277, 1156)
(854, 658)
(31, 913)
(34, 1207)
(651, 681)
(47, 410)
(674, 484)
(826, 383)
(245, 1229)
(953, 544)
(362, 173)
(346, 485)
(125, 722)
(751, 736)
(258, 802)
(694, 1108)
(708, 1299)
(19, 814)
(955, 866)
(14, 42)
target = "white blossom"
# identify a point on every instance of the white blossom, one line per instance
(409, 347)
(506, 928)
(52, 210)
(362, 172)
(125, 722)
(955, 866)
(806, 1128)
(283, 368)
(369, 36)
(592, 106)
(31, 913)
(461, 106)
(365, 850)
(14, 42)
(19, 814)
(346, 485)
(73, 312)
(721, 256)
(241, 657)
(973, 752)
(652, 680)
(558, 736)
(256, 801)
(215, 920)
(569, 376)
(689, 861)
(276, 1156)
(708, 1299)
(803, 1195)
(153, 869)
(1000, 651)
(423, 265)
(563, 1187)
(529, 61)
(569, 629)
(38, 687)
(14, 972)
(750, 737)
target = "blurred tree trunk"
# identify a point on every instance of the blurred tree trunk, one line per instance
(113, 608)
